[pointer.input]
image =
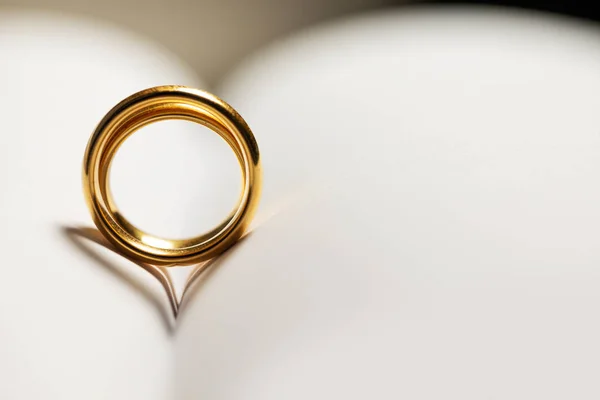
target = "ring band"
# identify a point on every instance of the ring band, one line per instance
(157, 104)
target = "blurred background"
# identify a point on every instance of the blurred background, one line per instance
(477, 168)
(213, 36)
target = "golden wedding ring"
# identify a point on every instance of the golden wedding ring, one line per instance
(158, 104)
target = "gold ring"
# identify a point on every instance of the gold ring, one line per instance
(157, 104)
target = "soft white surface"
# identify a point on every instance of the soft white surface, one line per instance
(211, 35)
(429, 225)
(70, 328)
(440, 228)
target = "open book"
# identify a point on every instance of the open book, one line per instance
(428, 228)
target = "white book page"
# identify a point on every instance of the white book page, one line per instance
(77, 321)
(430, 219)
(428, 232)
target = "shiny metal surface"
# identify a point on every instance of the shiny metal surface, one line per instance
(137, 111)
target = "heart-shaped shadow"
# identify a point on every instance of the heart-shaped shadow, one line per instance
(78, 236)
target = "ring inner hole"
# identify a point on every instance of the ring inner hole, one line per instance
(175, 179)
